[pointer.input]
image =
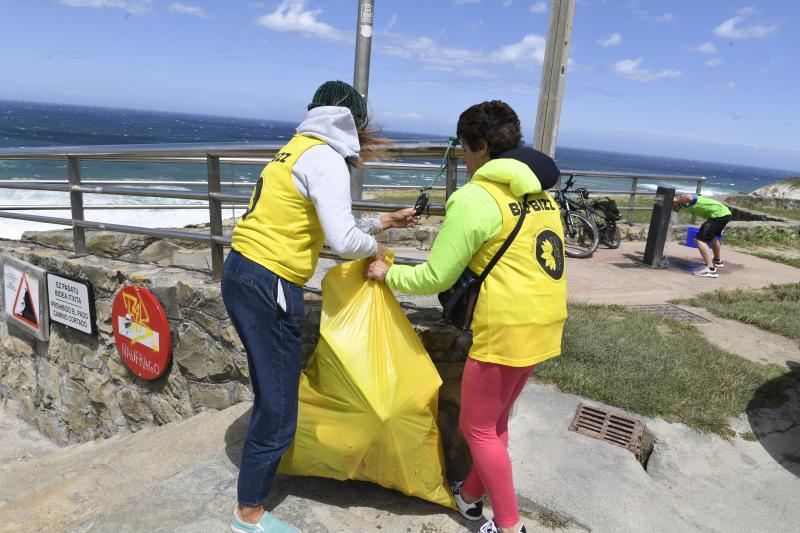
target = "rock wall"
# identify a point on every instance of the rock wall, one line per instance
(75, 388)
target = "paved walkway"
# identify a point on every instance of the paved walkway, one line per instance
(618, 276)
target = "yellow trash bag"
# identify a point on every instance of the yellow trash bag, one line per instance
(369, 395)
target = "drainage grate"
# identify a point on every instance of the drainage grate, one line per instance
(671, 311)
(609, 427)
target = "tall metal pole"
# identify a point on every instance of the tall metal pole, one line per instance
(554, 73)
(366, 9)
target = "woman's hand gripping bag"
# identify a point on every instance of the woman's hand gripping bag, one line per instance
(369, 395)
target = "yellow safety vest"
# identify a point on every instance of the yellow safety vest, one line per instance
(280, 230)
(522, 305)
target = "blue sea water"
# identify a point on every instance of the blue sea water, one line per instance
(26, 124)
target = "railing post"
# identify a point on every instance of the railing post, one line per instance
(632, 201)
(76, 204)
(699, 188)
(215, 217)
(451, 183)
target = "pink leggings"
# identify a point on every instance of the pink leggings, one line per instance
(488, 391)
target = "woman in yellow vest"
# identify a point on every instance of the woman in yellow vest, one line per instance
(301, 200)
(521, 308)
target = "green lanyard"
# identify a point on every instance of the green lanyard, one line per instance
(451, 143)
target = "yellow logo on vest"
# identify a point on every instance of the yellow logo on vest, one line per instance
(549, 252)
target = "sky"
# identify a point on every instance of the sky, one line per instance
(712, 80)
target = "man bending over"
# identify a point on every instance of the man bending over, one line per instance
(717, 216)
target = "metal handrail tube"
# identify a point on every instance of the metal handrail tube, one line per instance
(184, 150)
(38, 218)
(388, 207)
(136, 191)
(229, 197)
(118, 207)
(37, 187)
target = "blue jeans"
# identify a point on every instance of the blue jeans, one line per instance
(271, 337)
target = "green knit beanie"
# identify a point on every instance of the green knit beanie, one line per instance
(341, 94)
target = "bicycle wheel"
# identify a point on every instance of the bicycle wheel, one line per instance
(610, 236)
(580, 236)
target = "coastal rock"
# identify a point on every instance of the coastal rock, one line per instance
(207, 397)
(57, 238)
(103, 242)
(21, 375)
(788, 188)
(160, 252)
(133, 405)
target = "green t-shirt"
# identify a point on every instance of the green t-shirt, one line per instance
(707, 208)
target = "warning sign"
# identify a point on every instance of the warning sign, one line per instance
(141, 332)
(71, 302)
(23, 292)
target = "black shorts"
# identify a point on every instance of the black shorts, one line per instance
(713, 227)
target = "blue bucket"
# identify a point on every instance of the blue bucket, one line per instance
(691, 237)
(691, 234)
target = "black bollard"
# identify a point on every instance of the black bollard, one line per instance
(659, 226)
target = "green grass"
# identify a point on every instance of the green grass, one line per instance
(775, 308)
(749, 436)
(761, 236)
(551, 520)
(778, 258)
(653, 366)
(746, 203)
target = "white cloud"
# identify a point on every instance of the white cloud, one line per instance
(666, 17)
(465, 2)
(705, 48)
(531, 46)
(539, 7)
(731, 85)
(610, 40)
(630, 69)
(507, 3)
(408, 116)
(187, 9)
(134, 7)
(732, 29)
(392, 22)
(292, 17)
(713, 62)
(433, 55)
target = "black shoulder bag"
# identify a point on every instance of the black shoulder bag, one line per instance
(458, 302)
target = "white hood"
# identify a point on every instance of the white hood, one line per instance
(335, 126)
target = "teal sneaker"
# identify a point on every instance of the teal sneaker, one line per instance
(267, 524)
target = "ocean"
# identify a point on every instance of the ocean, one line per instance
(27, 124)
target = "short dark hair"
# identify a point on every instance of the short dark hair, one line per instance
(493, 122)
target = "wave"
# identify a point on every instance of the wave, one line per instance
(683, 188)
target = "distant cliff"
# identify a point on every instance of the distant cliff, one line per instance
(788, 188)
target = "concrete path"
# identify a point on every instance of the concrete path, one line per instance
(747, 341)
(182, 478)
(617, 276)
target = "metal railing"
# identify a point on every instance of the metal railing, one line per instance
(213, 199)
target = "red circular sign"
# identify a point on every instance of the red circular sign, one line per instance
(141, 332)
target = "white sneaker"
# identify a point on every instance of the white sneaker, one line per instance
(470, 511)
(718, 264)
(706, 272)
(491, 527)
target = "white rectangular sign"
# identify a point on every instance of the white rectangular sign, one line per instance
(71, 302)
(23, 294)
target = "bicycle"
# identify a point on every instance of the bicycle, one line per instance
(581, 236)
(605, 214)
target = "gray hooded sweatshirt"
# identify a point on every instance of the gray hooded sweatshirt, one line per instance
(321, 175)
